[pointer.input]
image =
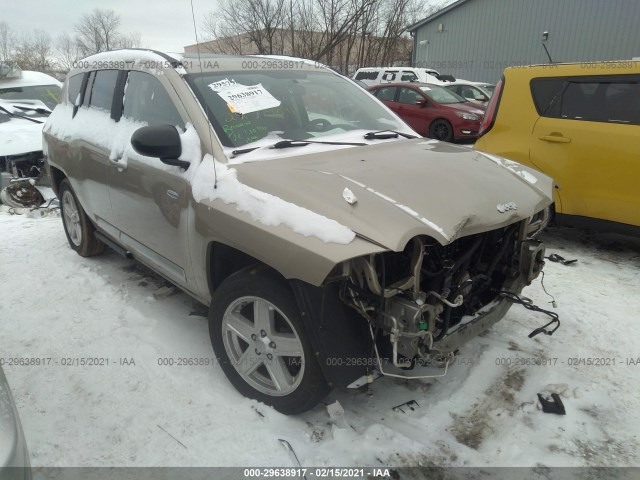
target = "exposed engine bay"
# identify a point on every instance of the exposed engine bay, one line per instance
(20, 175)
(416, 298)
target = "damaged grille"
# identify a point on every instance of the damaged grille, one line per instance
(424, 291)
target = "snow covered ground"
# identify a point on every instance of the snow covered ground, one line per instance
(59, 307)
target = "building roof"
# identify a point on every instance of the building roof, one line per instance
(439, 13)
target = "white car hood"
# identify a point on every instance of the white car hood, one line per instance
(19, 136)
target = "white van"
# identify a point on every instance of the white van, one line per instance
(377, 75)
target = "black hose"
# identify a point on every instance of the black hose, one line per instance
(502, 251)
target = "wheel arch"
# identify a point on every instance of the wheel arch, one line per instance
(437, 120)
(338, 335)
(56, 176)
(224, 260)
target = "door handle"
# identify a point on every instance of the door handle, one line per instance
(116, 163)
(555, 139)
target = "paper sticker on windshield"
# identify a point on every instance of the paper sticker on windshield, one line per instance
(222, 84)
(246, 99)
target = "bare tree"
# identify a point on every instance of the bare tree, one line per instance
(341, 33)
(67, 51)
(260, 22)
(42, 51)
(98, 31)
(7, 42)
(33, 51)
(226, 41)
(130, 40)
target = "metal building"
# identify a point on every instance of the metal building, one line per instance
(477, 39)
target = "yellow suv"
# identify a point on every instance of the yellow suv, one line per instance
(580, 124)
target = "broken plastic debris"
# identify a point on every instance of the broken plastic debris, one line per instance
(554, 257)
(349, 196)
(554, 405)
(336, 414)
(410, 405)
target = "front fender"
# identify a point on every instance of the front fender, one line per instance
(338, 334)
(293, 255)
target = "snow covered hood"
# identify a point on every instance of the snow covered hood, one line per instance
(18, 136)
(29, 79)
(405, 188)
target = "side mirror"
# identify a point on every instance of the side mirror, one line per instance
(421, 103)
(159, 141)
(482, 98)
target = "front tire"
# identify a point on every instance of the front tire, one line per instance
(260, 342)
(441, 130)
(77, 226)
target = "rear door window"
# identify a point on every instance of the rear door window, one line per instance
(366, 75)
(544, 90)
(622, 102)
(386, 94)
(102, 90)
(408, 77)
(604, 99)
(73, 89)
(389, 76)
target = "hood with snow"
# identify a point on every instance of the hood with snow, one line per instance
(390, 192)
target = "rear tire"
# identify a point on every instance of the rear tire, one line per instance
(77, 226)
(441, 130)
(260, 342)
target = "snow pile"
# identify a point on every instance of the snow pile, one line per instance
(191, 149)
(263, 207)
(94, 126)
(485, 412)
(98, 128)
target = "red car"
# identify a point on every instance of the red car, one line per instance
(432, 110)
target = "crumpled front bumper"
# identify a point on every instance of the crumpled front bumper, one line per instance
(530, 262)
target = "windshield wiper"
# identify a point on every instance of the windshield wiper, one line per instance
(296, 143)
(385, 134)
(15, 115)
(40, 110)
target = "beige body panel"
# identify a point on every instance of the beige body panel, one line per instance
(404, 188)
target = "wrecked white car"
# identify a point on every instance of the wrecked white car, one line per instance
(26, 100)
(328, 239)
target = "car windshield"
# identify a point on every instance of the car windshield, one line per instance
(442, 95)
(47, 94)
(247, 106)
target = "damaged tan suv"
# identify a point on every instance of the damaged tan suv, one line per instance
(329, 241)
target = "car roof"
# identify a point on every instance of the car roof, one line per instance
(29, 79)
(192, 62)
